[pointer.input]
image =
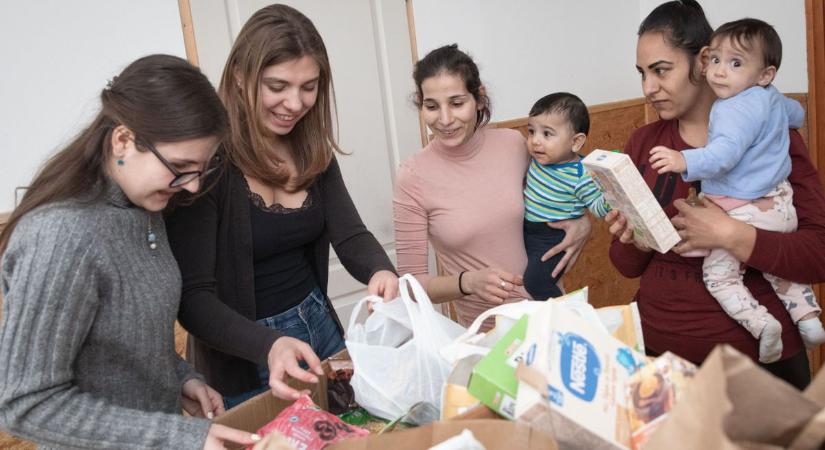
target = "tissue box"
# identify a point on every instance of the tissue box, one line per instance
(626, 191)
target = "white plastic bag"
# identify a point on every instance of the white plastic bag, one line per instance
(473, 343)
(395, 351)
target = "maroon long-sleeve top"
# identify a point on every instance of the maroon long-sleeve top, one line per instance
(678, 314)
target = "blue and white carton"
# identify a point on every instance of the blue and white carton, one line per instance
(572, 382)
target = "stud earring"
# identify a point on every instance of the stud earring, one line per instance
(120, 162)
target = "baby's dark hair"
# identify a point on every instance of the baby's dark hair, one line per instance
(746, 32)
(569, 105)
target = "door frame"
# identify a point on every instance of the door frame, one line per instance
(815, 31)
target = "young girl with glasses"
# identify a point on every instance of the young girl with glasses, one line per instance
(90, 287)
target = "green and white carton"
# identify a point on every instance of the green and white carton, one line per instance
(494, 380)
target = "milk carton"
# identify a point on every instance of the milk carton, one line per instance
(626, 191)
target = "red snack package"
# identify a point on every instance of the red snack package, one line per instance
(307, 427)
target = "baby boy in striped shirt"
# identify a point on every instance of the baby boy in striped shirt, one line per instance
(557, 186)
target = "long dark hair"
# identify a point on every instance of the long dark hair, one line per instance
(276, 34)
(161, 98)
(450, 59)
(683, 25)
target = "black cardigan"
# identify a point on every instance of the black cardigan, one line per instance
(212, 241)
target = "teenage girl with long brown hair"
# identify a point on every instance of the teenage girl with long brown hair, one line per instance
(254, 251)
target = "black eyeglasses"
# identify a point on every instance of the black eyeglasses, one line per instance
(181, 178)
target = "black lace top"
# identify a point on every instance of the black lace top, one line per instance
(281, 240)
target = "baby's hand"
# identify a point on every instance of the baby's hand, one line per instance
(663, 159)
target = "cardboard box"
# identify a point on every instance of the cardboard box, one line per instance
(626, 191)
(256, 412)
(480, 411)
(493, 379)
(573, 380)
(486, 425)
(455, 398)
(493, 434)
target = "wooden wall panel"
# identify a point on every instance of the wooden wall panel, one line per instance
(802, 98)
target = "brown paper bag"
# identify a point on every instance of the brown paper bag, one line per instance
(734, 404)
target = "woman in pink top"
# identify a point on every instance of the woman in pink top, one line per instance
(463, 192)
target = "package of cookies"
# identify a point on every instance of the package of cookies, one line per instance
(652, 391)
(308, 427)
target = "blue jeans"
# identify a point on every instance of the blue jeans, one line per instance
(310, 321)
(538, 238)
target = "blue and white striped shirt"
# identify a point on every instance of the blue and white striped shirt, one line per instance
(561, 191)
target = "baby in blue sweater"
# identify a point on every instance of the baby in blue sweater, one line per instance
(744, 169)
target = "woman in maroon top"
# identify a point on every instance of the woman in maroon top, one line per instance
(678, 314)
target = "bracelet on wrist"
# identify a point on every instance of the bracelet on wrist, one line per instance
(461, 289)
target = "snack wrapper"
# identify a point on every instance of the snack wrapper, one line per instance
(307, 427)
(653, 391)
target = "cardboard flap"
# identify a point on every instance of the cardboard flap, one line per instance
(533, 378)
(479, 411)
(262, 408)
(493, 434)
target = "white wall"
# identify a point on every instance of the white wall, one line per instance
(530, 48)
(57, 56)
(526, 49)
(786, 16)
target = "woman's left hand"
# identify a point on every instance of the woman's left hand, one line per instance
(384, 284)
(709, 227)
(577, 231)
(200, 400)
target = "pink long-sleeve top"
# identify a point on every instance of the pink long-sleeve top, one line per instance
(467, 201)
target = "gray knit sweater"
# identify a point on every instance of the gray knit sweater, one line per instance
(87, 357)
